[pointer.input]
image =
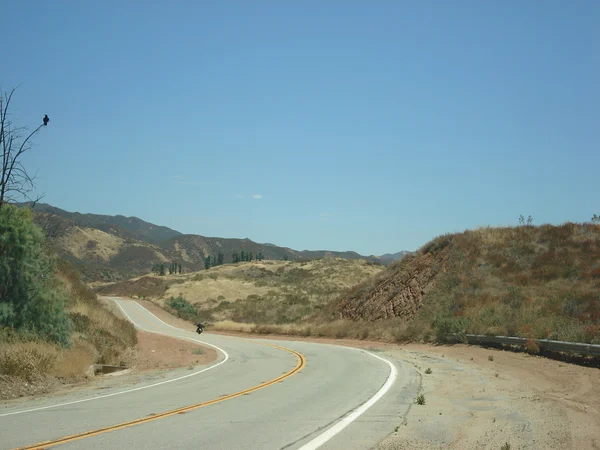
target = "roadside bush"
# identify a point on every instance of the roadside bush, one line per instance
(27, 360)
(532, 347)
(31, 298)
(184, 309)
(447, 326)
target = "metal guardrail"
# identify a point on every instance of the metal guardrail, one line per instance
(545, 344)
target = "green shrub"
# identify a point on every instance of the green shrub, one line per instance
(184, 309)
(31, 297)
(420, 399)
(447, 326)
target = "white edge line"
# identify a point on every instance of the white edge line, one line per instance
(138, 388)
(356, 413)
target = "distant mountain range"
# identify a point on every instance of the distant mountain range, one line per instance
(111, 248)
(389, 258)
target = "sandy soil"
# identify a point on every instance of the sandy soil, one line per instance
(160, 352)
(471, 402)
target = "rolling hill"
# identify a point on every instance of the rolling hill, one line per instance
(537, 282)
(111, 248)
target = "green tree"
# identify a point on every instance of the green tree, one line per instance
(249, 255)
(207, 262)
(31, 299)
(285, 257)
(260, 256)
(242, 255)
(220, 259)
(180, 270)
(161, 269)
(235, 257)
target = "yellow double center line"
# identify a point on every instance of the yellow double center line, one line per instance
(300, 363)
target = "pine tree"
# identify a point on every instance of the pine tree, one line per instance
(260, 256)
(161, 269)
(249, 255)
(242, 256)
(180, 268)
(235, 257)
(207, 262)
(221, 259)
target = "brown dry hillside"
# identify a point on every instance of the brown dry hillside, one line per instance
(266, 292)
(538, 282)
(112, 248)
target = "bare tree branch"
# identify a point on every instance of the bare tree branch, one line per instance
(14, 178)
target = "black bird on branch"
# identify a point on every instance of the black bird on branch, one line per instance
(46, 119)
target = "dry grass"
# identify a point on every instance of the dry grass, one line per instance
(74, 362)
(99, 337)
(267, 292)
(90, 243)
(229, 325)
(393, 330)
(27, 360)
(534, 282)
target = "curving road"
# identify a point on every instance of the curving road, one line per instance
(259, 394)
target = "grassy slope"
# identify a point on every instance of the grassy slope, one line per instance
(98, 337)
(536, 282)
(264, 293)
(539, 282)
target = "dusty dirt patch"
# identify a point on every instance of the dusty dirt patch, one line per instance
(161, 352)
(482, 398)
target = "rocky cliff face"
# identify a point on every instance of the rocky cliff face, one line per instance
(399, 294)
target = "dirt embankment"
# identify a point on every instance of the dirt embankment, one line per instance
(152, 353)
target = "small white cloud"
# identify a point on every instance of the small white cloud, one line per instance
(256, 196)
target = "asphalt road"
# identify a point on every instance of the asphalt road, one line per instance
(259, 394)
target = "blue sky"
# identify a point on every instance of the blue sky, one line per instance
(343, 125)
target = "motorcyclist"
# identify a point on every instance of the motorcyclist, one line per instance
(199, 328)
